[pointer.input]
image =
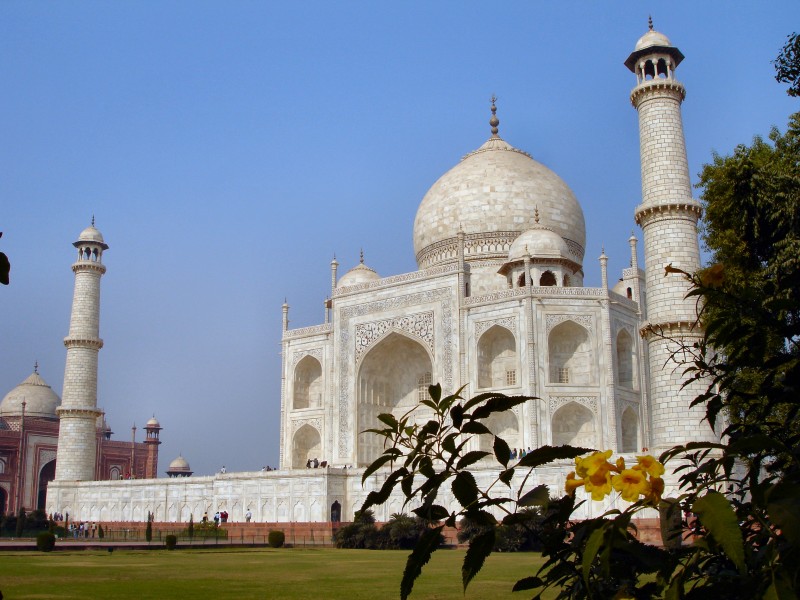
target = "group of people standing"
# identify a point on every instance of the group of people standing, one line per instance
(82, 530)
(315, 464)
(521, 453)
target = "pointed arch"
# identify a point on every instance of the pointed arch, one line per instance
(308, 383)
(46, 474)
(504, 425)
(497, 358)
(573, 424)
(388, 381)
(306, 444)
(626, 359)
(629, 428)
(572, 361)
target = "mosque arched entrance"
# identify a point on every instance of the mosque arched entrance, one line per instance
(393, 377)
(306, 445)
(336, 512)
(46, 475)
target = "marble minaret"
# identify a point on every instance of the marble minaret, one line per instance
(77, 436)
(668, 217)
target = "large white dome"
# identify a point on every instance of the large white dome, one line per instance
(492, 196)
(40, 400)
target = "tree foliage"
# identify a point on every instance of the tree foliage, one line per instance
(787, 65)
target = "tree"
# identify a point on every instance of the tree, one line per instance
(751, 294)
(190, 529)
(148, 532)
(20, 523)
(787, 65)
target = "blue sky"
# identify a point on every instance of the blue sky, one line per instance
(229, 149)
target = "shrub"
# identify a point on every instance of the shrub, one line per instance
(148, 532)
(100, 533)
(20, 525)
(171, 541)
(190, 528)
(45, 541)
(276, 539)
(361, 533)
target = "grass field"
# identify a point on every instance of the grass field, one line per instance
(252, 573)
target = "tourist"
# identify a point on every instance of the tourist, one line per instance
(308, 464)
(248, 515)
(216, 518)
(316, 463)
(222, 470)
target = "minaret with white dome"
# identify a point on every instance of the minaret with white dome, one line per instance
(668, 217)
(77, 436)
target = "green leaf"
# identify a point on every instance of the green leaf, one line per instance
(479, 548)
(377, 464)
(546, 454)
(783, 507)
(716, 514)
(528, 583)
(433, 513)
(475, 427)
(465, 489)
(480, 398)
(428, 543)
(457, 415)
(435, 392)
(471, 458)
(381, 496)
(590, 552)
(538, 496)
(389, 419)
(506, 476)
(500, 404)
(501, 451)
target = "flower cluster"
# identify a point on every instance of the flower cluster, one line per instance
(599, 476)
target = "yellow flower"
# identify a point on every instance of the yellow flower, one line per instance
(599, 483)
(656, 490)
(631, 483)
(572, 484)
(620, 465)
(588, 466)
(650, 465)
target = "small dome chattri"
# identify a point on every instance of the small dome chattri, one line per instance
(652, 38)
(91, 234)
(539, 243)
(361, 273)
(153, 424)
(179, 468)
(40, 400)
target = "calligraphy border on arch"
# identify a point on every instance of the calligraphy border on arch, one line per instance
(301, 354)
(419, 325)
(556, 402)
(552, 320)
(509, 323)
(316, 423)
(346, 351)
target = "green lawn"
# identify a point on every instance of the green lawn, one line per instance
(251, 573)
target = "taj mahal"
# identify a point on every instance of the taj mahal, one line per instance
(498, 303)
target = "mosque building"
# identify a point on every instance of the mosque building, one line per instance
(498, 303)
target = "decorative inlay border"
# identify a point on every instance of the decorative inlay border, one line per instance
(347, 348)
(557, 402)
(552, 320)
(509, 323)
(45, 456)
(418, 325)
(395, 279)
(316, 423)
(308, 331)
(298, 356)
(537, 292)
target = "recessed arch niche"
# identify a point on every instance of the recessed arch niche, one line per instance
(504, 425)
(573, 424)
(307, 383)
(570, 354)
(497, 358)
(388, 381)
(306, 444)
(629, 430)
(626, 362)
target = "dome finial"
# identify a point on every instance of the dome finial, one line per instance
(536, 215)
(92, 220)
(36, 367)
(494, 121)
(361, 257)
(650, 22)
